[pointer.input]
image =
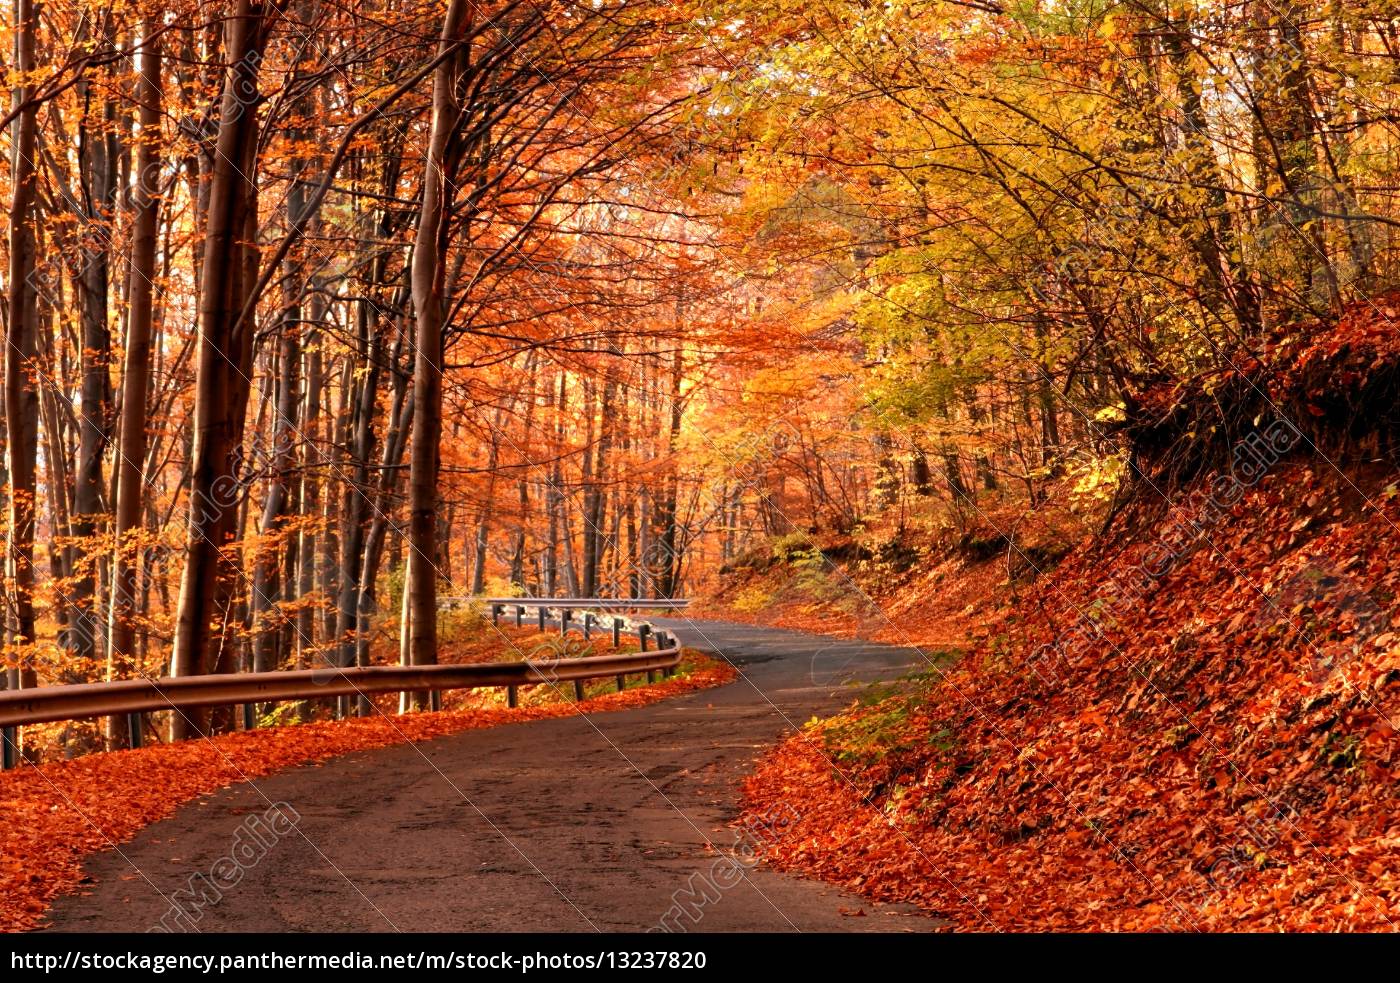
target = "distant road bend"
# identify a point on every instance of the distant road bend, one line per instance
(578, 824)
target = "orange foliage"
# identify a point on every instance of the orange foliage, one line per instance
(1225, 758)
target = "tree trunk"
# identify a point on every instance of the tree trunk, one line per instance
(266, 587)
(98, 167)
(21, 391)
(594, 503)
(136, 373)
(429, 308)
(483, 522)
(353, 499)
(554, 497)
(221, 389)
(401, 419)
(664, 565)
(308, 548)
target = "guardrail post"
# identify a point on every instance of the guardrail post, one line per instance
(617, 632)
(519, 614)
(512, 696)
(541, 612)
(578, 690)
(135, 732)
(564, 614)
(642, 631)
(671, 642)
(435, 699)
(250, 719)
(495, 615)
(587, 626)
(621, 682)
(11, 754)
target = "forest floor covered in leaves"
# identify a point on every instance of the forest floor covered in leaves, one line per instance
(1189, 725)
(55, 814)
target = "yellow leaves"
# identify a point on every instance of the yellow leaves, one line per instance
(1095, 480)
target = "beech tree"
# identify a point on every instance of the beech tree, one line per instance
(316, 315)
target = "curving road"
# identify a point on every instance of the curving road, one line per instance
(616, 821)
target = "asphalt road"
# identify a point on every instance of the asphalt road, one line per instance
(614, 821)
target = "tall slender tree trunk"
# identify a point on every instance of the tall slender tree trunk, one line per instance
(401, 419)
(354, 510)
(225, 348)
(328, 564)
(136, 372)
(594, 535)
(430, 308)
(269, 551)
(554, 495)
(522, 487)
(483, 523)
(665, 566)
(98, 156)
(282, 492)
(21, 382)
(308, 547)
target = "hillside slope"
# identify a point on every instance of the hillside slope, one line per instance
(1190, 726)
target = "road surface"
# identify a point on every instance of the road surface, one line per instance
(614, 821)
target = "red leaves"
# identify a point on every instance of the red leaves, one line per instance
(52, 817)
(1222, 756)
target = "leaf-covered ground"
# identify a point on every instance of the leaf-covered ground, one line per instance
(932, 603)
(52, 816)
(1226, 759)
(1195, 729)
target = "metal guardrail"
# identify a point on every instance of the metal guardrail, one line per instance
(575, 603)
(132, 697)
(590, 611)
(563, 611)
